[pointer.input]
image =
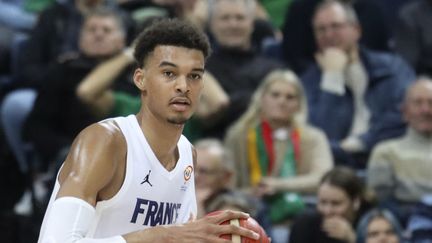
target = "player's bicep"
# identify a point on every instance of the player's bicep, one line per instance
(89, 166)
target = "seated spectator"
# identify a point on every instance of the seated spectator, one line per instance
(342, 200)
(353, 93)
(58, 115)
(298, 44)
(214, 172)
(53, 40)
(399, 169)
(235, 64)
(413, 36)
(379, 226)
(277, 155)
(215, 175)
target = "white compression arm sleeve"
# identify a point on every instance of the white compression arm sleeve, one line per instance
(68, 221)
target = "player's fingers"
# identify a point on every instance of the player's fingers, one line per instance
(227, 215)
(237, 230)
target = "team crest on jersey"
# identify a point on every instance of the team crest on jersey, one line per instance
(188, 173)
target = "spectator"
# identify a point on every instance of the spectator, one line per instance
(214, 173)
(413, 35)
(342, 200)
(55, 118)
(53, 40)
(276, 153)
(399, 169)
(58, 115)
(215, 177)
(353, 93)
(235, 63)
(298, 36)
(379, 226)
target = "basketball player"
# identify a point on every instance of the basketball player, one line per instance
(131, 179)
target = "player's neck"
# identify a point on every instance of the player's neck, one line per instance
(162, 138)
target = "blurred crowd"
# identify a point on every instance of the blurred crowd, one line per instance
(315, 117)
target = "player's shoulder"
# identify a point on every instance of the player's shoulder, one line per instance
(96, 152)
(107, 129)
(106, 135)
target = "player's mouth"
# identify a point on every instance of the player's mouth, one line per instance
(180, 103)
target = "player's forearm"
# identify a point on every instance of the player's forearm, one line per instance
(150, 235)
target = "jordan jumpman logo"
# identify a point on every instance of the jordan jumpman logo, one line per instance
(146, 179)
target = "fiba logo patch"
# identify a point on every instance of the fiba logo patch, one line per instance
(188, 173)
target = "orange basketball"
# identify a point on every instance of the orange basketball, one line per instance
(249, 223)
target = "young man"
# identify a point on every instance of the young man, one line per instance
(127, 176)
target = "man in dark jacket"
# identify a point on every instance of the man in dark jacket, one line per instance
(235, 63)
(58, 115)
(353, 93)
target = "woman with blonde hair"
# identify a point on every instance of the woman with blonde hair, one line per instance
(278, 156)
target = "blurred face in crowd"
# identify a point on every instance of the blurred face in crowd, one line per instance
(280, 102)
(210, 172)
(101, 36)
(380, 230)
(335, 202)
(231, 24)
(418, 107)
(332, 28)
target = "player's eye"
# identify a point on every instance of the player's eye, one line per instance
(195, 76)
(168, 74)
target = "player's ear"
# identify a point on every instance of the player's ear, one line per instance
(139, 79)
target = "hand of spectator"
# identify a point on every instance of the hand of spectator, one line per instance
(129, 53)
(332, 60)
(353, 55)
(352, 145)
(266, 187)
(339, 228)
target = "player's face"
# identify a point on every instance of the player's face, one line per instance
(171, 82)
(280, 102)
(381, 231)
(334, 202)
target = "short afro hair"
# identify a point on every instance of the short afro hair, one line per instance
(171, 32)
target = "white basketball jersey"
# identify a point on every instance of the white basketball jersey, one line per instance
(150, 195)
